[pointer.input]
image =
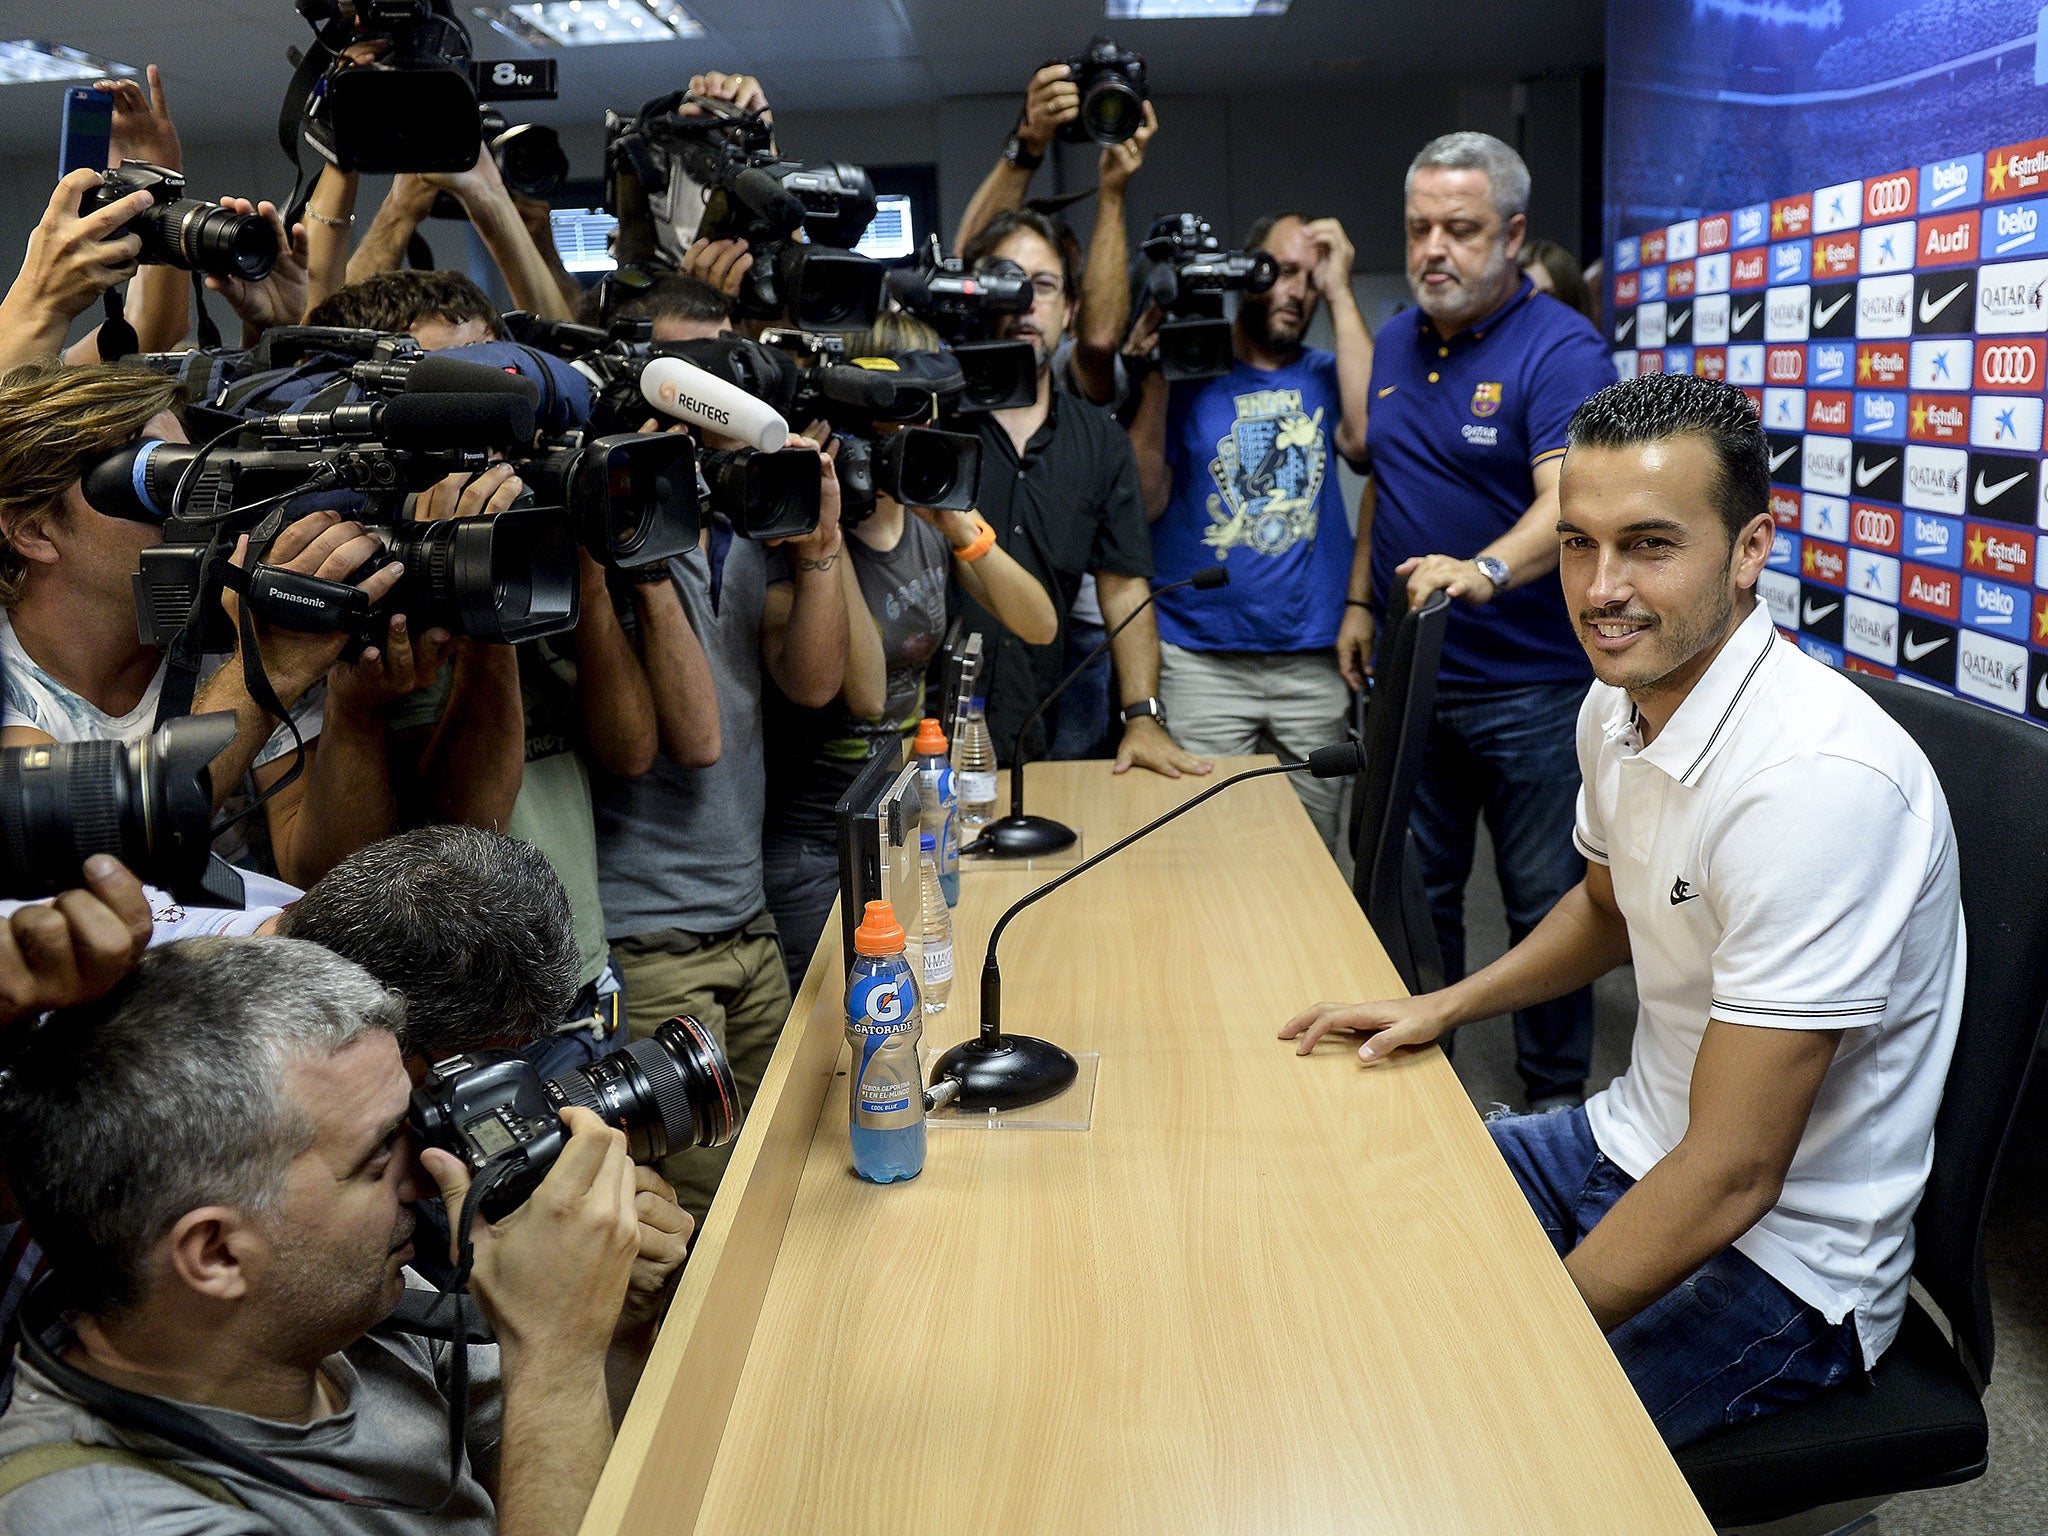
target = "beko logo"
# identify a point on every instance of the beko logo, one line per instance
(1888, 196)
(1874, 525)
(1951, 181)
(2016, 226)
(2006, 365)
(1993, 602)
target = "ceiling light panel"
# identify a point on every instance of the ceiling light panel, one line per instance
(25, 61)
(591, 23)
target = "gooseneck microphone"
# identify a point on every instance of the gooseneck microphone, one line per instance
(1017, 836)
(999, 1071)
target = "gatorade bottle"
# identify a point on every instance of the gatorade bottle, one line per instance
(884, 1023)
(941, 811)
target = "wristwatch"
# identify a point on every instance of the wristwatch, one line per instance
(1016, 153)
(1141, 709)
(1495, 570)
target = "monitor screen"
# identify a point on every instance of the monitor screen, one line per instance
(890, 237)
(580, 235)
(878, 832)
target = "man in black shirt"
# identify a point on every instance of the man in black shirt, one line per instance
(1060, 487)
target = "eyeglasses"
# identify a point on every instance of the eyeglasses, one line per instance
(1045, 286)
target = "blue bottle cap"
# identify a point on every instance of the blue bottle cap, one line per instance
(926, 842)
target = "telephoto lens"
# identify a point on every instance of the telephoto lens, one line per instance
(149, 803)
(179, 231)
(506, 578)
(488, 1108)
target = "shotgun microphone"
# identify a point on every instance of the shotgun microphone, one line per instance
(999, 1071)
(1018, 836)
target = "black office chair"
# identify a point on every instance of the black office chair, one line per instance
(1388, 878)
(1920, 1422)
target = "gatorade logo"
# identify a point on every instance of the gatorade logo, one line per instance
(884, 1000)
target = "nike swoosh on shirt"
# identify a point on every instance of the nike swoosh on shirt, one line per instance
(1927, 312)
(1742, 317)
(1815, 615)
(1778, 459)
(1986, 494)
(1388, 390)
(1915, 649)
(1865, 473)
(1823, 313)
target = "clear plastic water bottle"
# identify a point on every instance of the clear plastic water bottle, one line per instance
(941, 807)
(974, 768)
(935, 930)
(883, 1026)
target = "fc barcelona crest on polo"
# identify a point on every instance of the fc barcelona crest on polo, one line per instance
(1485, 399)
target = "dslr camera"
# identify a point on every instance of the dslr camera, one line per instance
(414, 106)
(181, 231)
(1190, 274)
(494, 1111)
(1112, 85)
(658, 162)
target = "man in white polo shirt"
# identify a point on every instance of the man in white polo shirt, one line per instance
(1775, 855)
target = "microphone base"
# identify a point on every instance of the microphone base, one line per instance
(1008, 1073)
(1023, 837)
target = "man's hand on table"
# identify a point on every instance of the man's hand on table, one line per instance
(1389, 1025)
(1146, 744)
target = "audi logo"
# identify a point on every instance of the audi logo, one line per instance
(2007, 365)
(1892, 195)
(1875, 527)
(1784, 365)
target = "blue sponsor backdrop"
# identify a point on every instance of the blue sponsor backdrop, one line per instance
(1874, 173)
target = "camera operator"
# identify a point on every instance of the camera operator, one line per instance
(1060, 488)
(216, 1160)
(437, 309)
(75, 668)
(682, 308)
(1253, 667)
(482, 193)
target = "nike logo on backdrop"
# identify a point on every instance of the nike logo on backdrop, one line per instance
(1865, 473)
(1823, 313)
(1929, 311)
(1778, 459)
(1986, 494)
(1682, 892)
(1742, 317)
(1677, 322)
(1815, 615)
(1621, 331)
(1915, 649)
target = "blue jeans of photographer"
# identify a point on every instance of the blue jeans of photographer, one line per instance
(1081, 719)
(1510, 755)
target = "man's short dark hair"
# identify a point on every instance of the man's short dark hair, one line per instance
(672, 296)
(397, 301)
(1658, 406)
(471, 928)
(1052, 231)
(167, 1095)
(1263, 226)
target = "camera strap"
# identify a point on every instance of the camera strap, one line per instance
(117, 338)
(207, 332)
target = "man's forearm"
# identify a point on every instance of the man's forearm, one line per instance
(1148, 447)
(684, 694)
(1002, 189)
(342, 803)
(226, 690)
(1530, 548)
(334, 198)
(1135, 652)
(159, 306)
(1577, 942)
(1359, 587)
(557, 1435)
(476, 760)
(31, 331)
(811, 666)
(384, 243)
(1354, 373)
(1105, 301)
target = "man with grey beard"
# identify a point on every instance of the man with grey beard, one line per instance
(1471, 393)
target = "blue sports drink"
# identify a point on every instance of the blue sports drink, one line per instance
(941, 808)
(884, 1022)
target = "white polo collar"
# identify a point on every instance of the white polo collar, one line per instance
(1700, 724)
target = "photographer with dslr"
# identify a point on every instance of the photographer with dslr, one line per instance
(1060, 488)
(1241, 466)
(217, 1162)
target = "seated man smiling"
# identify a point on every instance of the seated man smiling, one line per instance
(1775, 855)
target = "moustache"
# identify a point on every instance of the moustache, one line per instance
(1604, 616)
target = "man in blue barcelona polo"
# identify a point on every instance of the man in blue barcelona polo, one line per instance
(1470, 395)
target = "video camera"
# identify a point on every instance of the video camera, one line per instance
(149, 803)
(1112, 85)
(965, 307)
(414, 106)
(1190, 274)
(659, 161)
(180, 231)
(493, 1110)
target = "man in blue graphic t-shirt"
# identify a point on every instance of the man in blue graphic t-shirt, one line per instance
(1471, 393)
(1241, 471)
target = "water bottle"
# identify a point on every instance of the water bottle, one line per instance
(935, 929)
(941, 809)
(974, 769)
(883, 1026)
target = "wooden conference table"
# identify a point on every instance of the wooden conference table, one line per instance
(1259, 1294)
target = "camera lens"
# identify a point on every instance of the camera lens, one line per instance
(530, 160)
(201, 237)
(672, 1091)
(1111, 111)
(506, 578)
(764, 495)
(149, 803)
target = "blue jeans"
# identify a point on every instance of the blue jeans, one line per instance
(1081, 719)
(1511, 755)
(1726, 1344)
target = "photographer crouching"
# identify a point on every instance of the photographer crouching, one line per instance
(217, 1162)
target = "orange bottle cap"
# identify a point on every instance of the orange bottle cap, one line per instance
(931, 737)
(879, 932)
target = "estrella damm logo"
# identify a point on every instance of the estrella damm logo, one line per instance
(1485, 399)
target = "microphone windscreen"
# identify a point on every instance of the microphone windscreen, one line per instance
(435, 375)
(1208, 580)
(770, 199)
(564, 399)
(457, 421)
(1337, 762)
(688, 393)
(859, 387)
